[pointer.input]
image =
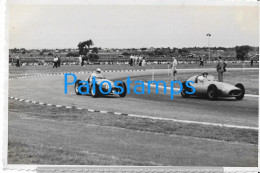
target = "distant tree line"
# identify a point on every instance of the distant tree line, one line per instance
(242, 52)
(90, 53)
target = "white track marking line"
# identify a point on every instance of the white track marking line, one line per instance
(117, 113)
(194, 122)
(165, 119)
(251, 95)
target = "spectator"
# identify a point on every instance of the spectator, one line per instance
(80, 60)
(131, 61)
(140, 59)
(221, 68)
(83, 59)
(58, 62)
(135, 59)
(201, 61)
(143, 62)
(55, 62)
(174, 68)
(18, 61)
(252, 60)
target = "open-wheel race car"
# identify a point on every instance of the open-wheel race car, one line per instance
(105, 87)
(212, 89)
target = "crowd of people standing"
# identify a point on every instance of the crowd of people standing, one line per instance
(137, 60)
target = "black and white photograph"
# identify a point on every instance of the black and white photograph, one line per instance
(132, 84)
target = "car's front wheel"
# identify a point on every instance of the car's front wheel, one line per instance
(242, 88)
(96, 93)
(76, 87)
(212, 92)
(184, 89)
(123, 85)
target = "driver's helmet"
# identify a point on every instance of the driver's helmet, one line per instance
(98, 70)
(204, 73)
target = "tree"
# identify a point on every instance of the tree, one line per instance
(84, 48)
(95, 50)
(242, 51)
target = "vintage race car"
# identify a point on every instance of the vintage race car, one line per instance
(213, 89)
(105, 87)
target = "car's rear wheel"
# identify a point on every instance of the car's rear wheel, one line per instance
(212, 92)
(97, 93)
(242, 88)
(76, 87)
(123, 85)
(184, 89)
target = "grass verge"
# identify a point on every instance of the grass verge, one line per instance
(134, 123)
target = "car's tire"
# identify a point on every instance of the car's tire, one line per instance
(97, 92)
(240, 86)
(184, 89)
(212, 92)
(76, 87)
(125, 89)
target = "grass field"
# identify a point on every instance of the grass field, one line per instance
(26, 152)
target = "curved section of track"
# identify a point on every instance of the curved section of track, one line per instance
(50, 89)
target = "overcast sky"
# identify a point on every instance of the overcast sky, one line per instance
(64, 26)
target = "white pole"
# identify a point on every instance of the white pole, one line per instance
(209, 46)
(153, 74)
(208, 35)
(168, 70)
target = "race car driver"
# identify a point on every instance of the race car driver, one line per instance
(203, 78)
(96, 74)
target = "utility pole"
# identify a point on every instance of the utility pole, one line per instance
(208, 35)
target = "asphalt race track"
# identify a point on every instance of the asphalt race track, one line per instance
(50, 89)
(132, 147)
